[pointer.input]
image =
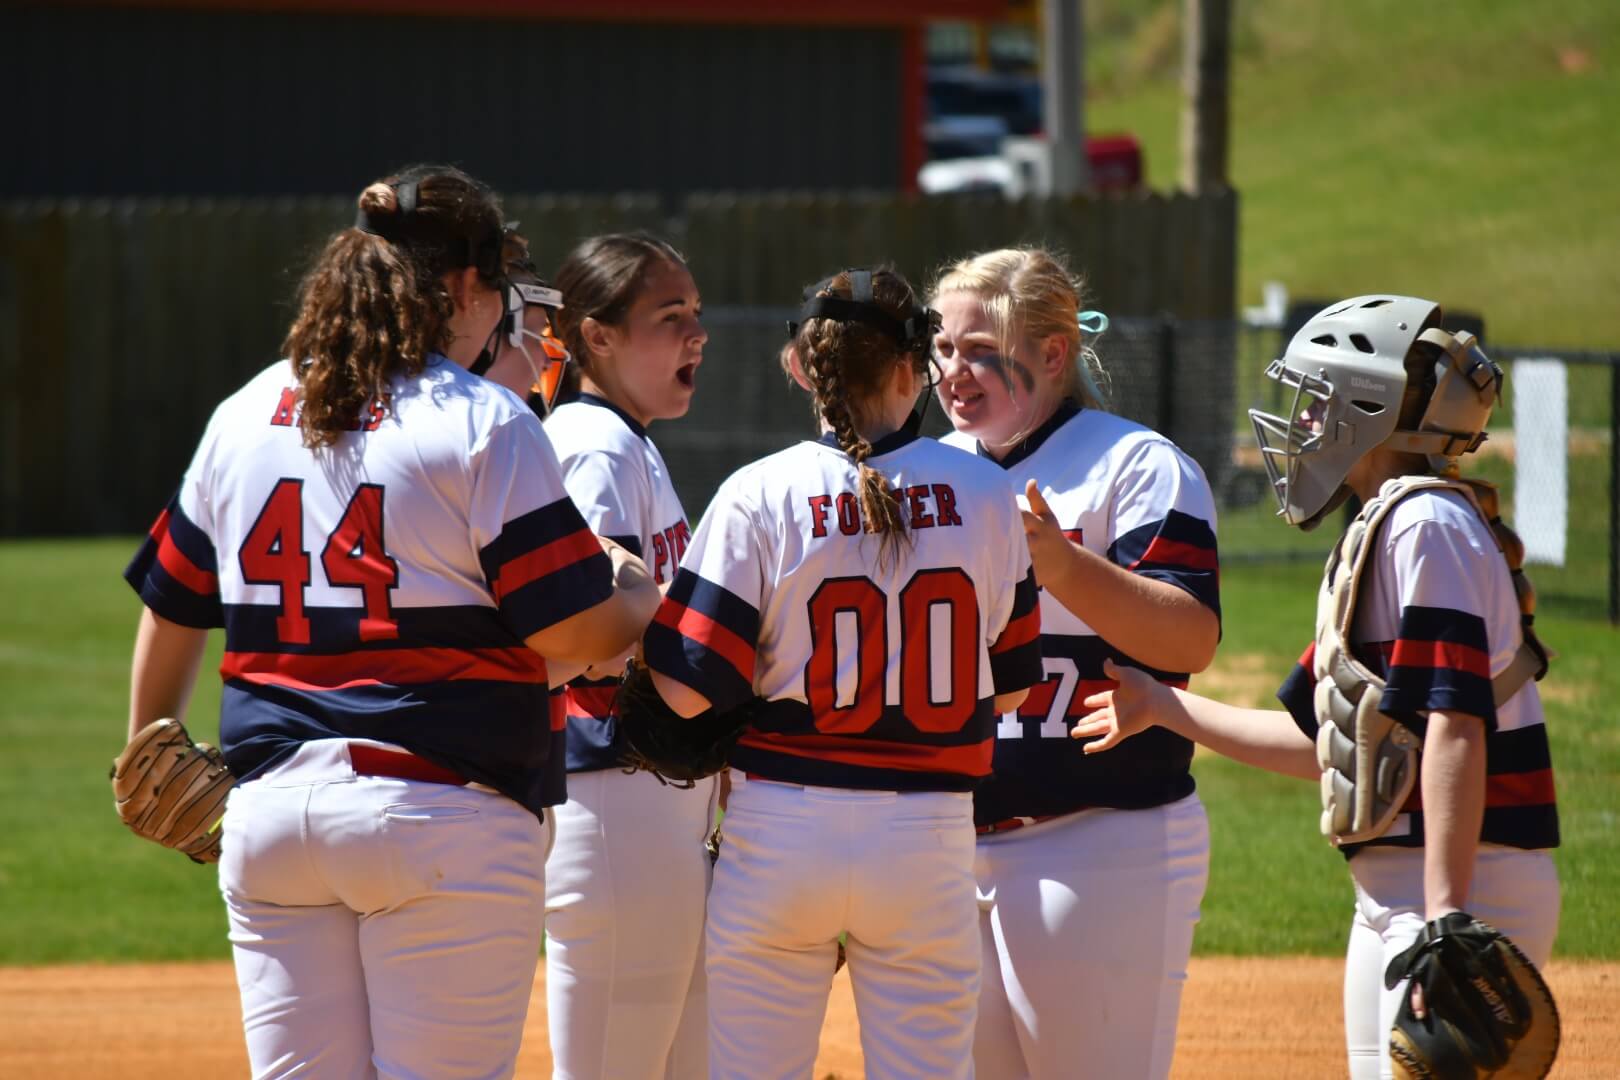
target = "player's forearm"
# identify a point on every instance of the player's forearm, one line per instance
(678, 696)
(1265, 738)
(612, 626)
(1153, 622)
(1452, 778)
(163, 669)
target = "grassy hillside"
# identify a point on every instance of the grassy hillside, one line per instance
(1464, 149)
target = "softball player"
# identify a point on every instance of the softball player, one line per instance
(1384, 401)
(628, 876)
(1090, 873)
(387, 541)
(874, 590)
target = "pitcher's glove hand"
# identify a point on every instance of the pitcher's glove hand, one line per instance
(172, 790)
(1476, 1007)
(679, 750)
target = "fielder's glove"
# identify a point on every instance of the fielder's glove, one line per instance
(677, 749)
(1484, 1008)
(172, 790)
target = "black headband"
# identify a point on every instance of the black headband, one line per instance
(445, 246)
(909, 333)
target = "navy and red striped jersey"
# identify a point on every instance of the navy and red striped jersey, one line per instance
(1128, 494)
(1437, 619)
(619, 481)
(875, 673)
(381, 588)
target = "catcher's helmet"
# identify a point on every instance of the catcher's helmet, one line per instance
(1347, 368)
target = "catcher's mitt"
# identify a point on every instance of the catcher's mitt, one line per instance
(1484, 1009)
(677, 749)
(172, 790)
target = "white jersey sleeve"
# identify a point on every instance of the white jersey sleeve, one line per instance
(707, 629)
(540, 559)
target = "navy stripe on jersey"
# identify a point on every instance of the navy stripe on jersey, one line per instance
(434, 644)
(1439, 660)
(252, 628)
(631, 544)
(175, 571)
(1044, 776)
(1015, 658)
(1298, 692)
(784, 744)
(1520, 801)
(506, 735)
(790, 717)
(1180, 549)
(593, 731)
(704, 636)
(546, 566)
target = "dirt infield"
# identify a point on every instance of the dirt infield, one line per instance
(1240, 1018)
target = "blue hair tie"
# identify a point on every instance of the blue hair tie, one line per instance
(1092, 322)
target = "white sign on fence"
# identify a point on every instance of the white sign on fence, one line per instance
(1541, 458)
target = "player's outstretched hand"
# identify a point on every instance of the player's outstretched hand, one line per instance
(1049, 549)
(1139, 702)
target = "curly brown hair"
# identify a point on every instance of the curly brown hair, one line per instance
(374, 306)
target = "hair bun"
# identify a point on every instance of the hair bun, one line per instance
(379, 198)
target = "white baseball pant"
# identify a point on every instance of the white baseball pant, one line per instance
(381, 927)
(1514, 890)
(626, 886)
(801, 865)
(1087, 926)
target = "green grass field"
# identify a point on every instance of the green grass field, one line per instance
(1459, 149)
(75, 886)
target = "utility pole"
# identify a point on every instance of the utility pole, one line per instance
(1063, 88)
(1206, 50)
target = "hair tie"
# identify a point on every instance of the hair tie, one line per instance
(1092, 322)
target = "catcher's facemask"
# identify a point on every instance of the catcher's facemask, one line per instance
(543, 350)
(548, 369)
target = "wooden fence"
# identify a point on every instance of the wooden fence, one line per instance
(122, 323)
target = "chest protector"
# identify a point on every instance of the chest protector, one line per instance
(1369, 759)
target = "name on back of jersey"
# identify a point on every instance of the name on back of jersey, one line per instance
(286, 414)
(926, 506)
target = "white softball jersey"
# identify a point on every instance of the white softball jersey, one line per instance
(381, 588)
(1129, 495)
(618, 480)
(1438, 619)
(875, 673)
(627, 879)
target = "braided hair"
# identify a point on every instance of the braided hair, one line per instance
(847, 365)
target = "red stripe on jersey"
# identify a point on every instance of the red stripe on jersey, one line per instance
(718, 639)
(971, 760)
(559, 712)
(546, 559)
(592, 701)
(1534, 788)
(1021, 631)
(1440, 654)
(1164, 552)
(1307, 659)
(373, 667)
(179, 567)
